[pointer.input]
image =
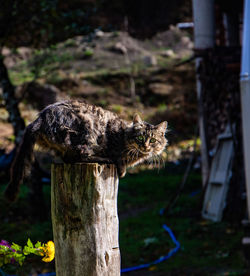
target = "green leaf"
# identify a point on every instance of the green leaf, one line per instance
(29, 250)
(30, 244)
(18, 256)
(21, 259)
(4, 249)
(6, 260)
(26, 250)
(38, 252)
(38, 244)
(16, 247)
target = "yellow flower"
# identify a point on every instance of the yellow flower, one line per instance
(48, 251)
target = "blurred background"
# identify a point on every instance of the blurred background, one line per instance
(173, 60)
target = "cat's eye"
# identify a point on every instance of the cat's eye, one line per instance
(152, 140)
(140, 138)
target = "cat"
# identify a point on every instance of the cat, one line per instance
(79, 132)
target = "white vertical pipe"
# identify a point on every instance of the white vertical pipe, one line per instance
(245, 60)
(204, 37)
(203, 15)
(245, 96)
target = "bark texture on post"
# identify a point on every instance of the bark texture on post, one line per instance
(85, 220)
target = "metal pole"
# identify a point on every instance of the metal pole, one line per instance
(203, 15)
(204, 34)
(245, 96)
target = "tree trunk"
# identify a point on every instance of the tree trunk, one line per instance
(10, 102)
(85, 220)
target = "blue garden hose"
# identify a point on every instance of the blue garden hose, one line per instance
(161, 259)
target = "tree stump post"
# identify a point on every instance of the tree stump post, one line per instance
(84, 218)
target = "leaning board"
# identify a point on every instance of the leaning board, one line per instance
(219, 178)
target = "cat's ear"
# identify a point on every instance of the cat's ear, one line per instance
(162, 127)
(137, 119)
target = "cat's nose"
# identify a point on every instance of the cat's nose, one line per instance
(146, 145)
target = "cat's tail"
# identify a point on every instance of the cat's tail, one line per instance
(22, 158)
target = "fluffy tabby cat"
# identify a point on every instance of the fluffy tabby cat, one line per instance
(77, 131)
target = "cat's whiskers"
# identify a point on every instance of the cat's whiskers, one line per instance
(129, 152)
(162, 161)
(133, 154)
(149, 161)
(158, 161)
(153, 160)
(136, 156)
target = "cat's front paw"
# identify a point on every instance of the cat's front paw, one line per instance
(121, 171)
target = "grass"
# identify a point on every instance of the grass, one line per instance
(207, 248)
(117, 108)
(204, 245)
(41, 64)
(21, 75)
(88, 53)
(162, 107)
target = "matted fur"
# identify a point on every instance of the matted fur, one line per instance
(77, 132)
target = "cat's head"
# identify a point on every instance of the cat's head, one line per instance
(145, 139)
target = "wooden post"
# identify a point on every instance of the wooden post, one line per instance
(85, 220)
